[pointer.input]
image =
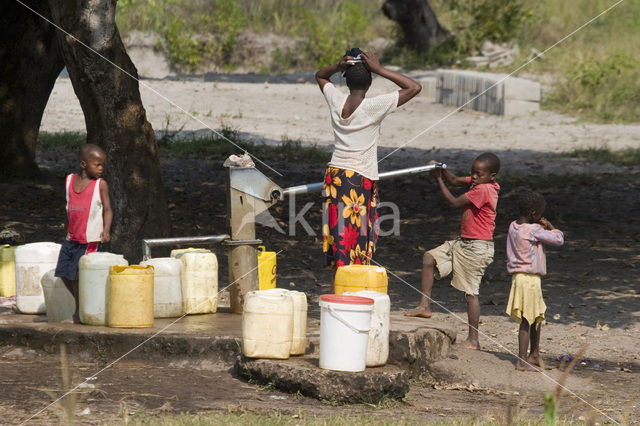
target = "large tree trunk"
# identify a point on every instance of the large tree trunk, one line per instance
(115, 120)
(29, 65)
(418, 22)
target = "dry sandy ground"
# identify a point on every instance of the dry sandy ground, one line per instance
(272, 108)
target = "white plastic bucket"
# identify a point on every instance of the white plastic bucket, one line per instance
(93, 282)
(32, 262)
(167, 291)
(267, 325)
(60, 302)
(344, 331)
(378, 347)
(299, 331)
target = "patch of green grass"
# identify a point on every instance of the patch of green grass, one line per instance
(599, 89)
(192, 31)
(214, 146)
(278, 418)
(218, 147)
(627, 157)
(272, 418)
(328, 36)
(597, 75)
(65, 140)
(196, 32)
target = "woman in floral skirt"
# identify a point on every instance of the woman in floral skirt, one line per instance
(350, 220)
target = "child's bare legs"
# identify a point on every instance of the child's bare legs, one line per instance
(424, 310)
(72, 286)
(534, 353)
(524, 335)
(473, 315)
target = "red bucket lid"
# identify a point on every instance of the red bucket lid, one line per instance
(351, 300)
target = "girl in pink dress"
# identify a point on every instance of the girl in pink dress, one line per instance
(526, 262)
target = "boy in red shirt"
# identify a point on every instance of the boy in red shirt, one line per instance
(469, 255)
(89, 216)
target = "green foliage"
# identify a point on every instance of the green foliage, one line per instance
(198, 31)
(606, 89)
(446, 53)
(550, 408)
(214, 146)
(184, 50)
(471, 22)
(63, 140)
(193, 31)
(595, 70)
(329, 36)
(475, 21)
(217, 146)
(142, 15)
(227, 22)
(592, 81)
(626, 157)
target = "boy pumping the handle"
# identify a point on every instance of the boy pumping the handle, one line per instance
(468, 256)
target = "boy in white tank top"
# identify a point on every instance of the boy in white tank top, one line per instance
(89, 216)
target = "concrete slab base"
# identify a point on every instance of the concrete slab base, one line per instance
(302, 374)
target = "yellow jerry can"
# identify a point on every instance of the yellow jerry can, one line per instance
(361, 277)
(130, 296)
(266, 268)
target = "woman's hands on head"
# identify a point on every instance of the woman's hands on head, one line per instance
(344, 63)
(372, 62)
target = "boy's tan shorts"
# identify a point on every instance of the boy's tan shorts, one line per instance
(468, 259)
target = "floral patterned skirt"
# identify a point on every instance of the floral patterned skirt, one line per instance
(350, 219)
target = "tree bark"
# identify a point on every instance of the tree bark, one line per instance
(418, 21)
(115, 120)
(31, 63)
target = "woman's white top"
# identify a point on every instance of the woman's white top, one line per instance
(357, 137)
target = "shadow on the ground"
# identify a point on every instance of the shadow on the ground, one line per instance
(592, 278)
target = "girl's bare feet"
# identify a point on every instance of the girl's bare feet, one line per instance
(418, 312)
(521, 366)
(537, 360)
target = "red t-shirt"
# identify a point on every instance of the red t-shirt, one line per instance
(479, 218)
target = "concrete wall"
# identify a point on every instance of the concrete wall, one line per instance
(487, 92)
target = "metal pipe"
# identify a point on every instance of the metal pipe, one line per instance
(302, 189)
(412, 170)
(156, 242)
(313, 187)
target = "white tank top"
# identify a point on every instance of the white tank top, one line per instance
(84, 211)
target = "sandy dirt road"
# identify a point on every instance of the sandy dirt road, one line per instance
(271, 111)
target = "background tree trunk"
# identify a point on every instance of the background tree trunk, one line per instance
(115, 119)
(418, 22)
(30, 63)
